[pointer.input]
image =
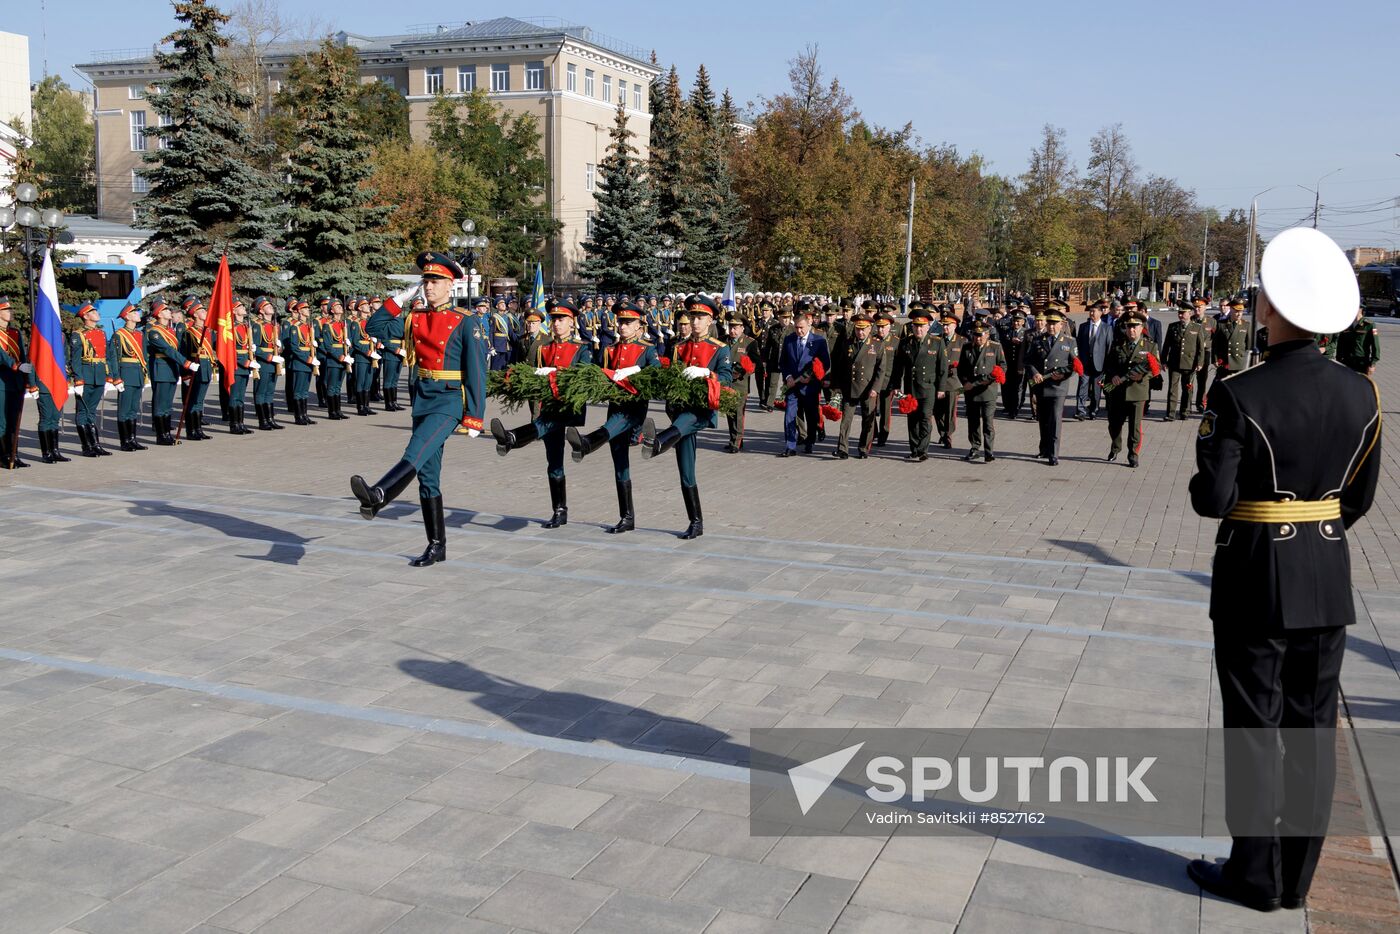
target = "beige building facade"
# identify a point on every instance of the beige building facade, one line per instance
(569, 77)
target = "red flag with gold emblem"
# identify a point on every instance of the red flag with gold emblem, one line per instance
(219, 325)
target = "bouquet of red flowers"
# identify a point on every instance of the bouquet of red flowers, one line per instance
(908, 405)
(746, 364)
(831, 413)
(999, 375)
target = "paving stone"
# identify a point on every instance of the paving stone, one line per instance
(143, 818)
(302, 826)
(356, 865)
(342, 912)
(81, 862)
(447, 883)
(624, 912)
(27, 906)
(461, 832)
(638, 819)
(640, 867)
(553, 804)
(543, 903)
(229, 786)
(547, 848)
(263, 904)
(746, 887)
(283, 755)
(158, 907)
(234, 867)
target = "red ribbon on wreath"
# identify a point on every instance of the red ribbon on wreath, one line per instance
(612, 375)
(908, 405)
(554, 383)
(712, 392)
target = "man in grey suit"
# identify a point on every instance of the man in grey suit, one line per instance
(1094, 338)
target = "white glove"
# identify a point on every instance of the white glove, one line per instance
(77, 390)
(109, 389)
(32, 394)
(374, 356)
(254, 365)
(670, 333)
(544, 370)
(404, 299)
(595, 342)
(120, 384)
(313, 361)
(473, 433)
(347, 360)
(26, 368)
(402, 352)
(194, 367)
(626, 372)
(695, 372)
(278, 359)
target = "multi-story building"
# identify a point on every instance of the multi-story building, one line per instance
(569, 77)
(15, 117)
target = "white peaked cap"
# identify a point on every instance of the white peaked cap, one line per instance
(1310, 281)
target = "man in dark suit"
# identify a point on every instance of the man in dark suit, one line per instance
(1095, 337)
(803, 363)
(1289, 454)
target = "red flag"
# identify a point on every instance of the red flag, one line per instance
(219, 325)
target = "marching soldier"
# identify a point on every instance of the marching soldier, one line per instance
(333, 346)
(300, 346)
(195, 345)
(979, 365)
(1131, 362)
(1230, 345)
(1051, 359)
(1359, 347)
(762, 334)
(1183, 356)
(563, 351)
(883, 326)
(1289, 455)
(1208, 323)
(859, 365)
(705, 357)
(945, 408)
(778, 331)
(14, 370)
(628, 357)
(245, 369)
(920, 370)
(89, 378)
(742, 353)
(165, 364)
(366, 356)
(447, 387)
(267, 352)
(126, 362)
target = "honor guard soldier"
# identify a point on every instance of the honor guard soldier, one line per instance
(89, 377)
(267, 351)
(561, 352)
(945, 408)
(126, 362)
(365, 352)
(1359, 347)
(882, 323)
(14, 377)
(920, 369)
(394, 353)
(1183, 357)
(705, 357)
(626, 358)
(166, 364)
(1051, 360)
(246, 369)
(300, 349)
(1289, 454)
(196, 346)
(447, 387)
(1127, 373)
(333, 348)
(981, 371)
(743, 361)
(859, 376)
(498, 330)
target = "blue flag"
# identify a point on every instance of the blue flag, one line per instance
(537, 296)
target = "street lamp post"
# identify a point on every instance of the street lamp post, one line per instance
(466, 249)
(1317, 193)
(789, 263)
(36, 228)
(670, 257)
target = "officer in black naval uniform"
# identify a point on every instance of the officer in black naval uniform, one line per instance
(1289, 455)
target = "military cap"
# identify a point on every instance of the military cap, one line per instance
(1052, 315)
(765, 304)
(260, 301)
(1238, 302)
(627, 311)
(563, 308)
(1185, 305)
(916, 306)
(534, 313)
(4, 302)
(481, 301)
(1099, 302)
(84, 308)
(189, 303)
(884, 317)
(1200, 300)
(683, 317)
(1130, 303)
(947, 317)
(981, 327)
(1132, 318)
(438, 265)
(238, 303)
(701, 304)
(1018, 315)
(801, 305)
(848, 303)
(917, 316)
(860, 320)
(785, 312)
(733, 319)
(126, 311)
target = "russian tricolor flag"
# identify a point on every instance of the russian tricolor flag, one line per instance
(46, 352)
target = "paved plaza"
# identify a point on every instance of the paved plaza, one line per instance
(230, 706)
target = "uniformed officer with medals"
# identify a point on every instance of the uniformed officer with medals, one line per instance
(1288, 454)
(743, 359)
(447, 387)
(859, 362)
(1127, 372)
(1051, 359)
(90, 378)
(267, 352)
(920, 369)
(980, 363)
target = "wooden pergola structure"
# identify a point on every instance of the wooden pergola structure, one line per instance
(928, 287)
(1079, 291)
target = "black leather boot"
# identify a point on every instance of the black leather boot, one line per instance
(85, 439)
(437, 534)
(160, 424)
(261, 411)
(507, 441)
(559, 500)
(196, 424)
(123, 438)
(54, 456)
(272, 417)
(6, 445)
(655, 443)
(628, 520)
(364, 403)
(391, 399)
(691, 495)
(374, 498)
(582, 444)
(97, 442)
(133, 427)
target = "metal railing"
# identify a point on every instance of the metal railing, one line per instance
(104, 56)
(558, 24)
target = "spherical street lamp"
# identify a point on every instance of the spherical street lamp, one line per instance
(36, 229)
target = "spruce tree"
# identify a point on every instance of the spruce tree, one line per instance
(206, 196)
(710, 212)
(665, 155)
(622, 250)
(335, 235)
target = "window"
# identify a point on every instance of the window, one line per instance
(637, 96)
(588, 225)
(136, 92)
(622, 92)
(140, 184)
(389, 80)
(588, 82)
(432, 81)
(134, 218)
(466, 78)
(589, 172)
(163, 142)
(500, 77)
(138, 131)
(571, 78)
(607, 88)
(534, 76)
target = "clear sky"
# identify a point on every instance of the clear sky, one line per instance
(1230, 97)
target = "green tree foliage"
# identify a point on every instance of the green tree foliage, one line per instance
(382, 113)
(1044, 234)
(334, 235)
(428, 194)
(666, 155)
(64, 149)
(710, 212)
(505, 149)
(208, 196)
(621, 252)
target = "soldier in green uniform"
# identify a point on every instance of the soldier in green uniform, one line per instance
(447, 387)
(299, 346)
(920, 369)
(365, 350)
(165, 364)
(628, 357)
(337, 358)
(979, 364)
(14, 370)
(945, 409)
(778, 330)
(391, 366)
(87, 373)
(859, 365)
(195, 345)
(1051, 359)
(883, 326)
(1208, 323)
(267, 352)
(126, 362)
(1230, 345)
(741, 348)
(1127, 374)
(245, 368)
(1183, 357)
(566, 349)
(1359, 347)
